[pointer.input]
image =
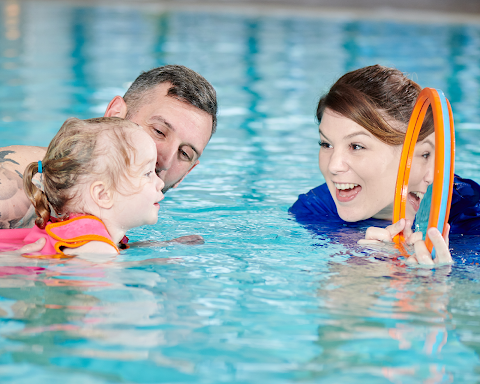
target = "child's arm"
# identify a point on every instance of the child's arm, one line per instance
(92, 247)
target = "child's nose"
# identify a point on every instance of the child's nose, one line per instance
(160, 184)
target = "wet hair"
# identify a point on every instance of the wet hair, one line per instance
(186, 85)
(81, 149)
(377, 98)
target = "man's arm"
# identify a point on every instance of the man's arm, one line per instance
(189, 240)
(15, 208)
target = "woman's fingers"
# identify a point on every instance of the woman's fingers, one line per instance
(422, 254)
(424, 257)
(442, 252)
(413, 238)
(407, 231)
(412, 260)
(447, 234)
(375, 234)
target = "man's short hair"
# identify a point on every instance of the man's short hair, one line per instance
(187, 85)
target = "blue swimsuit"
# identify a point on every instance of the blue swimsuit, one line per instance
(318, 206)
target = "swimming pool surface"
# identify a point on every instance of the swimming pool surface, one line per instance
(265, 299)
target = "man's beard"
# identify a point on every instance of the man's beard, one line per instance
(167, 187)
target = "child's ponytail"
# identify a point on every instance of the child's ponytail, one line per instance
(36, 195)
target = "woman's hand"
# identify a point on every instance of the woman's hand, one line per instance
(376, 235)
(442, 253)
(421, 256)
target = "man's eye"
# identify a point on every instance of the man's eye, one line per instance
(184, 155)
(158, 132)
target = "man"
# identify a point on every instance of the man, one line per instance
(176, 106)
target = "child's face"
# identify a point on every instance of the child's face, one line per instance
(138, 203)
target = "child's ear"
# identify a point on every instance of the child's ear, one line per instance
(101, 195)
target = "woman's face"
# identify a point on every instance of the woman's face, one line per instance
(360, 170)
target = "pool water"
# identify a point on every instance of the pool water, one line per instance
(265, 299)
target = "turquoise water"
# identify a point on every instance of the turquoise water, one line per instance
(264, 300)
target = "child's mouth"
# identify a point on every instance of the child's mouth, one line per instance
(347, 191)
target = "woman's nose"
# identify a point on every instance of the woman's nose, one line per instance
(338, 162)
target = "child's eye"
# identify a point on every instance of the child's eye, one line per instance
(149, 173)
(324, 144)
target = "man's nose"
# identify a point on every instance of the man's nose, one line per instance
(165, 158)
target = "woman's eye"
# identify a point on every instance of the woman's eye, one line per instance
(426, 155)
(356, 147)
(324, 144)
(149, 173)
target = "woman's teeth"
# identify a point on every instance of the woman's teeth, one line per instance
(418, 194)
(343, 186)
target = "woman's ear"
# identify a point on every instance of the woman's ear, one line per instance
(116, 108)
(101, 195)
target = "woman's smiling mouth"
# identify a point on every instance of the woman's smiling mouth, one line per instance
(346, 191)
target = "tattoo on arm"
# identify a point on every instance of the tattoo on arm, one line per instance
(3, 159)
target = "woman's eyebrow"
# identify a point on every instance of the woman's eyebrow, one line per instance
(348, 136)
(358, 133)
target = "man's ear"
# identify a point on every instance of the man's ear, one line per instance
(116, 108)
(102, 196)
(190, 170)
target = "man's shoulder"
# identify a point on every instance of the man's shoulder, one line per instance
(14, 204)
(16, 153)
(16, 157)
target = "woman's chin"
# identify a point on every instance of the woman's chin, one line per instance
(352, 216)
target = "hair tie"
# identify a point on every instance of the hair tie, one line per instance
(39, 167)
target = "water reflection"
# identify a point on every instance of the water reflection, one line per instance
(380, 313)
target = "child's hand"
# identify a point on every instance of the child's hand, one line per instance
(37, 246)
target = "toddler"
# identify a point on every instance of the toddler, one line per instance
(96, 181)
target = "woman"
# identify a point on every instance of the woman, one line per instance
(363, 119)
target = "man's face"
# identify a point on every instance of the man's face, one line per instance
(180, 132)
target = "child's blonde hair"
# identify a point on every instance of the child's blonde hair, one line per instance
(74, 154)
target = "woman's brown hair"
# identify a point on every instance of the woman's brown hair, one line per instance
(376, 98)
(77, 152)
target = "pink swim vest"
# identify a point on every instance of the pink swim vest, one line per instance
(71, 233)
